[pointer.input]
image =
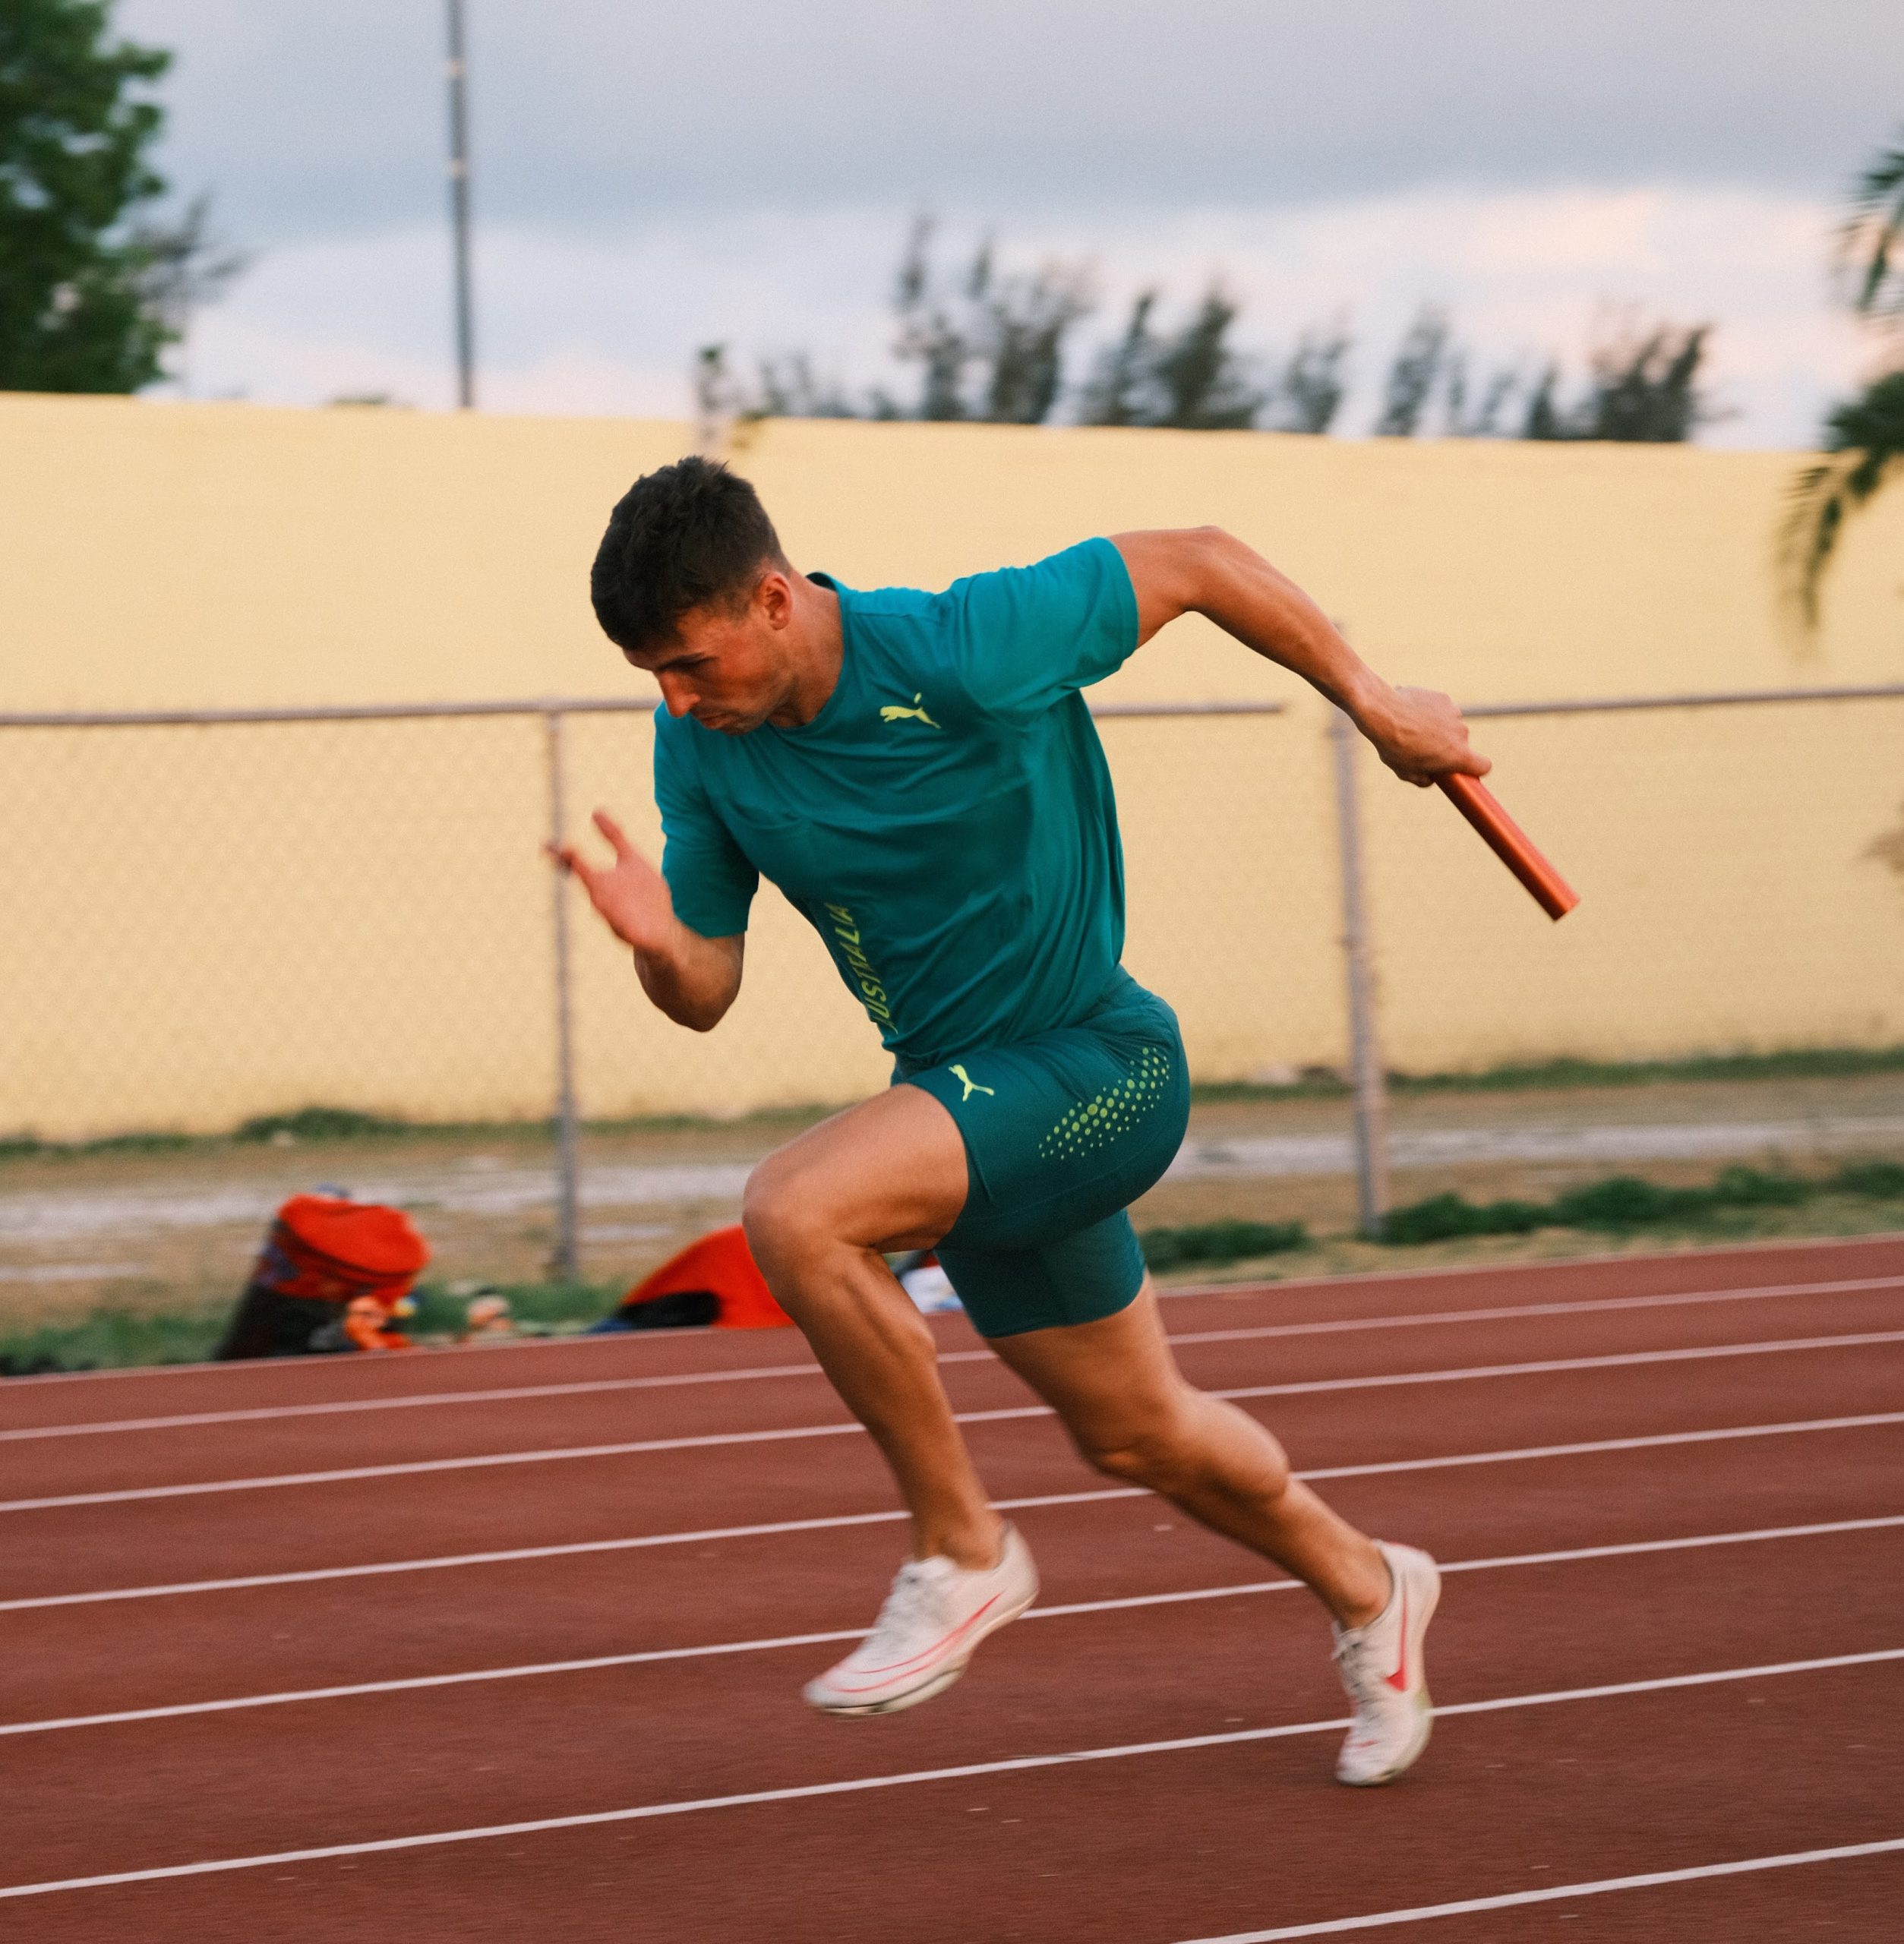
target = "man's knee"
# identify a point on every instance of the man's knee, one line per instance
(1159, 1449)
(1180, 1446)
(780, 1214)
(1152, 1459)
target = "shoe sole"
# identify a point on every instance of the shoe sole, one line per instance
(936, 1683)
(899, 1703)
(1410, 1756)
(1413, 1753)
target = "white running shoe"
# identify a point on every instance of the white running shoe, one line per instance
(935, 1616)
(1380, 1666)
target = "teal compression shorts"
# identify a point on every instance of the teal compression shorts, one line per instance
(1062, 1132)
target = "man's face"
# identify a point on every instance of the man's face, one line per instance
(727, 667)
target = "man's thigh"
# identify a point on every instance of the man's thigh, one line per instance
(1110, 1381)
(889, 1174)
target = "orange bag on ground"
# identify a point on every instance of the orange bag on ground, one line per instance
(324, 1254)
(713, 1284)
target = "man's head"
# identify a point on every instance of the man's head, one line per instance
(690, 583)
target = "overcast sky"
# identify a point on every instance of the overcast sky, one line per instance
(650, 178)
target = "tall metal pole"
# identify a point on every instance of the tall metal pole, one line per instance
(458, 68)
(1365, 1046)
(565, 1260)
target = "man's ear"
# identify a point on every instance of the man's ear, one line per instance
(773, 598)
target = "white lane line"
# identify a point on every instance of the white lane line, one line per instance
(1698, 1353)
(1341, 1326)
(423, 1400)
(1587, 1448)
(594, 1663)
(1514, 1899)
(707, 1440)
(1014, 1764)
(1505, 1312)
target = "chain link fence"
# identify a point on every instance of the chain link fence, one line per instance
(214, 918)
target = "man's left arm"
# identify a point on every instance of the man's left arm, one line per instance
(1418, 733)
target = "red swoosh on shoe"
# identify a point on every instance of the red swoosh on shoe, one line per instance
(1398, 1681)
(939, 1646)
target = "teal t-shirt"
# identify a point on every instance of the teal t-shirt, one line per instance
(945, 823)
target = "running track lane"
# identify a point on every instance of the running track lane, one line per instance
(561, 1746)
(57, 1549)
(134, 1653)
(1198, 1842)
(666, 1895)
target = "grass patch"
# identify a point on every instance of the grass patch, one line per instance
(1219, 1242)
(24, 1146)
(119, 1339)
(1312, 1083)
(539, 1308)
(1794, 1063)
(1540, 1076)
(114, 1339)
(1623, 1202)
(319, 1124)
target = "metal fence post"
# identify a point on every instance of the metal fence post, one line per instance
(1364, 1047)
(565, 1260)
(458, 72)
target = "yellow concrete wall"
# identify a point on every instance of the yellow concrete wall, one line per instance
(200, 924)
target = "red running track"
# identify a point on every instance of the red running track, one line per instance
(507, 1644)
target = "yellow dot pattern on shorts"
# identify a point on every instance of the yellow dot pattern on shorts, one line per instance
(1100, 1120)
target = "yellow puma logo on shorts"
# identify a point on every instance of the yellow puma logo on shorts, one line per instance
(897, 712)
(971, 1086)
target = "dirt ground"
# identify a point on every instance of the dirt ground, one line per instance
(172, 1230)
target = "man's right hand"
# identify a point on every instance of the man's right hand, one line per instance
(631, 895)
(693, 979)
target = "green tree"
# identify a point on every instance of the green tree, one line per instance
(1206, 386)
(1863, 435)
(1190, 378)
(1421, 365)
(1119, 392)
(1432, 371)
(992, 346)
(1307, 391)
(1476, 412)
(92, 288)
(1642, 389)
(986, 345)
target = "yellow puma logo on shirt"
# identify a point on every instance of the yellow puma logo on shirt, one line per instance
(897, 712)
(971, 1086)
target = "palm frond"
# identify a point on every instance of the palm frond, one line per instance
(1863, 443)
(1872, 238)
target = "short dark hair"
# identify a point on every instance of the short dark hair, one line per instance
(682, 537)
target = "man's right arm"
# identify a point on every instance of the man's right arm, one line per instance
(691, 979)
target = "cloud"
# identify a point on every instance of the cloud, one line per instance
(649, 179)
(601, 321)
(314, 117)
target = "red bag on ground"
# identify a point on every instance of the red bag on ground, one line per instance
(713, 1284)
(323, 1252)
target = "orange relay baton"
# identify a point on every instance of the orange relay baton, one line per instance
(1511, 843)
